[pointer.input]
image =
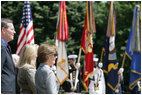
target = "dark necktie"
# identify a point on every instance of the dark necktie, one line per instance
(9, 48)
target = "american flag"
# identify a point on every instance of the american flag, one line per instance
(26, 33)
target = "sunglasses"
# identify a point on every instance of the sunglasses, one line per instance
(55, 54)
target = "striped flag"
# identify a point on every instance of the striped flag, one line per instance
(87, 44)
(61, 37)
(26, 33)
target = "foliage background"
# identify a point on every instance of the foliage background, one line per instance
(44, 14)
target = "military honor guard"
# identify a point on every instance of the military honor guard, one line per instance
(72, 84)
(97, 81)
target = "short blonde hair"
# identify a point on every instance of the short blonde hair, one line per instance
(27, 55)
(44, 50)
(15, 58)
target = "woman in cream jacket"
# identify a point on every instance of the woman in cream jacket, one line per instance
(27, 69)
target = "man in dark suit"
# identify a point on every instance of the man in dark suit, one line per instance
(8, 71)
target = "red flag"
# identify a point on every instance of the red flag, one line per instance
(63, 24)
(87, 44)
(62, 61)
(26, 34)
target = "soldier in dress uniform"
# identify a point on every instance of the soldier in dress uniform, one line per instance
(69, 84)
(97, 81)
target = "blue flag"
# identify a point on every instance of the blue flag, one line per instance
(128, 52)
(135, 73)
(133, 50)
(110, 59)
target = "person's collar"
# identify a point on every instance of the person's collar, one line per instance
(4, 41)
(45, 65)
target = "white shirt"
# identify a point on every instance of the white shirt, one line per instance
(97, 76)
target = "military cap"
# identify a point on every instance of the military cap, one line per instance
(73, 57)
(95, 57)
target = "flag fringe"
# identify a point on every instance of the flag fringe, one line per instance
(136, 72)
(88, 76)
(114, 88)
(61, 82)
(85, 86)
(128, 55)
(131, 87)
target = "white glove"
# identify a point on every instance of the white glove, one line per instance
(77, 65)
(139, 85)
(100, 65)
(121, 70)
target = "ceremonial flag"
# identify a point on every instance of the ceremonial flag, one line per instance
(110, 59)
(62, 62)
(133, 49)
(87, 43)
(128, 51)
(26, 33)
(63, 24)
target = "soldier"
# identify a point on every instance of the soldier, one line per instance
(97, 81)
(69, 84)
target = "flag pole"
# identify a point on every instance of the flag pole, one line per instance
(122, 65)
(102, 55)
(123, 60)
(77, 71)
(78, 61)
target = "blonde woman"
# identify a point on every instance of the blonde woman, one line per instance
(15, 58)
(45, 79)
(27, 69)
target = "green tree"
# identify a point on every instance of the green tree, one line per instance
(44, 15)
